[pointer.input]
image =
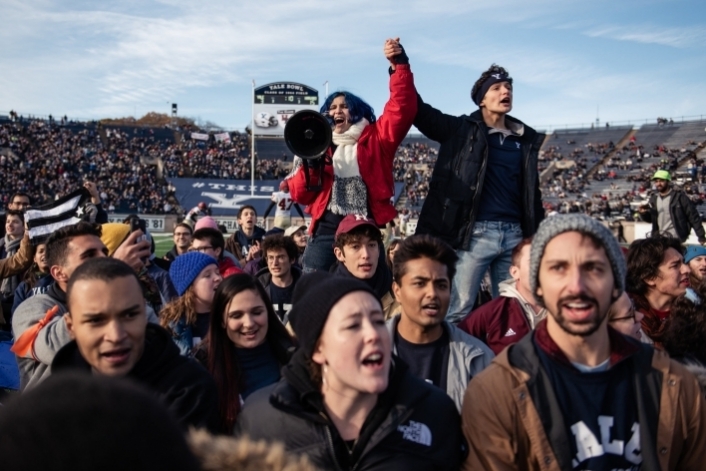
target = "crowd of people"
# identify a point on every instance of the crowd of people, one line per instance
(331, 346)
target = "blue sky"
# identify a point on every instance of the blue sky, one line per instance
(631, 60)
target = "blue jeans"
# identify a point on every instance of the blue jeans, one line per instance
(318, 255)
(490, 248)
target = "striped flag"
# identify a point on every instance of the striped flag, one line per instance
(62, 212)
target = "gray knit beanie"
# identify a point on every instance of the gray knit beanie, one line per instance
(555, 225)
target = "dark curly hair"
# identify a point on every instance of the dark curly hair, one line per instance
(494, 69)
(685, 332)
(644, 258)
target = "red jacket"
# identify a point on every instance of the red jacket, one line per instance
(498, 323)
(376, 151)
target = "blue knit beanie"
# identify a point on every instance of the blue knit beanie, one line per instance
(693, 251)
(185, 268)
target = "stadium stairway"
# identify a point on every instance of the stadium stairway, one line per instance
(621, 143)
(103, 136)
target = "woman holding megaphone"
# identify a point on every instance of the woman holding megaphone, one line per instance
(355, 172)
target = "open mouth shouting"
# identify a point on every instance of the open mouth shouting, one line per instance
(374, 361)
(507, 101)
(117, 356)
(578, 309)
(432, 309)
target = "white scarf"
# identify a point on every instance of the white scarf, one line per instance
(345, 158)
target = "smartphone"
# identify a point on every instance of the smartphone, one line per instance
(139, 224)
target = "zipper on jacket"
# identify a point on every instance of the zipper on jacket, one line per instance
(331, 448)
(479, 187)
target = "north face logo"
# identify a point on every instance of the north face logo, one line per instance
(510, 333)
(416, 432)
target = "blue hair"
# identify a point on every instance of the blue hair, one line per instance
(357, 108)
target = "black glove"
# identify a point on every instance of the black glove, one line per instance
(401, 58)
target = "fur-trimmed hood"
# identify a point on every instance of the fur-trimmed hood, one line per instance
(220, 453)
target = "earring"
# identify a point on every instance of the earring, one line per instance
(324, 373)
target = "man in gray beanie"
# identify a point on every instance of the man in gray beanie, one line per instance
(576, 394)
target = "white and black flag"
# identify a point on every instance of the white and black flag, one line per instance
(65, 211)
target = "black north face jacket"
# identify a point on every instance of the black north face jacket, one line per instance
(414, 426)
(450, 209)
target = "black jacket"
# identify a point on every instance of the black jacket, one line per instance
(450, 209)
(414, 426)
(265, 278)
(683, 213)
(181, 384)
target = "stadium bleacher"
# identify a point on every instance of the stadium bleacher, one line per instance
(611, 165)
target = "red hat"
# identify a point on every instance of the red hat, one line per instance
(284, 186)
(352, 221)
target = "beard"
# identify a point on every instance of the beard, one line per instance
(583, 328)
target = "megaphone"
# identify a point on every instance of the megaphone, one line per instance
(308, 134)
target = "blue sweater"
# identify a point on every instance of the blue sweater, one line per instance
(260, 367)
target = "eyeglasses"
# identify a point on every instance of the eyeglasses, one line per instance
(201, 249)
(631, 315)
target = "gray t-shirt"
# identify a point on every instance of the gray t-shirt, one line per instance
(664, 218)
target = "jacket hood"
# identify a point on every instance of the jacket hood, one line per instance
(508, 289)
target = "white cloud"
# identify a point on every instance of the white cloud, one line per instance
(649, 34)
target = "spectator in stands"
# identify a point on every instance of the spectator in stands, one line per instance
(195, 276)
(656, 276)
(483, 202)
(358, 247)
(19, 202)
(111, 337)
(182, 240)
(355, 179)
(575, 384)
(37, 325)
(624, 318)
(247, 346)
(282, 202)
(245, 242)
(508, 318)
(695, 257)
(211, 242)
(9, 246)
(671, 212)
(436, 351)
(37, 279)
(281, 274)
(299, 236)
(342, 401)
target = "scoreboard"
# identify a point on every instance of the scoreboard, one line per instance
(276, 102)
